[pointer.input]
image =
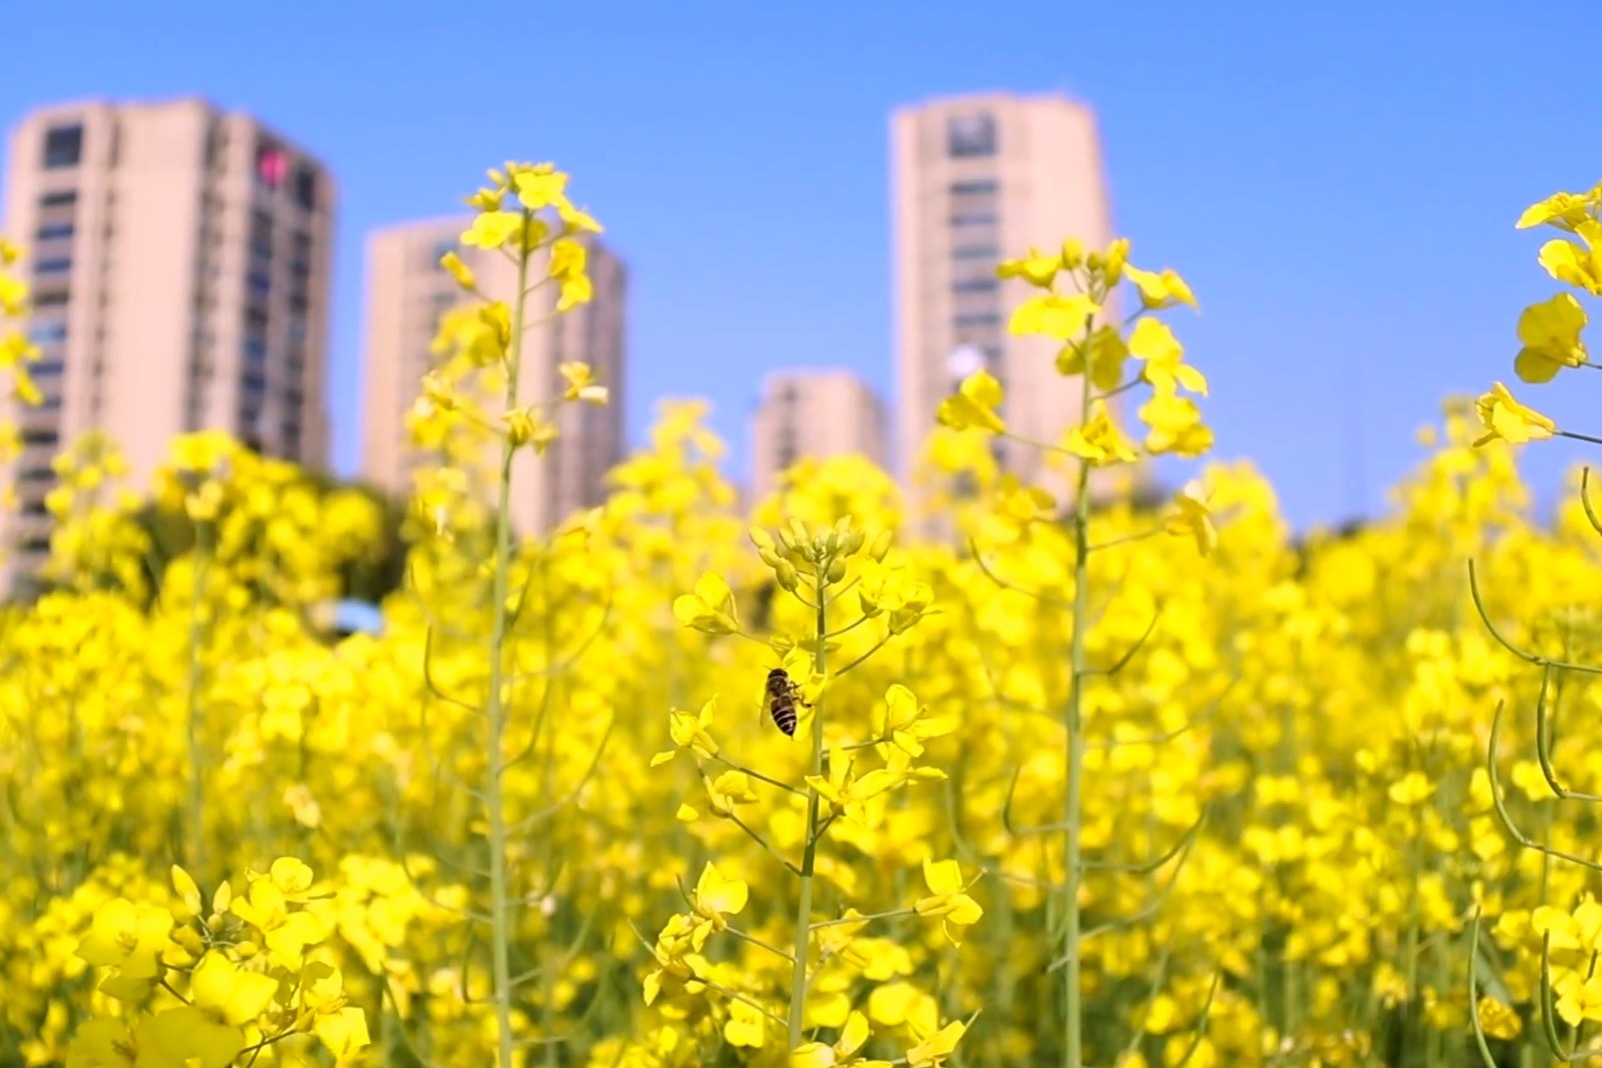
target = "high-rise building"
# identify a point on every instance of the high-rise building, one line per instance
(180, 261)
(407, 294)
(816, 413)
(975, 180)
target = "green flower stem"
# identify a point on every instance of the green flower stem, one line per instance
(803, 915)
(1073, 1024)
(764, 843)
(1126, 539)
(755, 941)
(848, 628)
(1124, 388)
(734, 995)
(757, 775)
(1579, 437)
(196, 859)
(880, 644)
(891, 915)
(841, 592)
(496, 713)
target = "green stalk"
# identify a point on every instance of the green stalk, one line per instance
(803, 915)
(500, 933)
(1073, 1038)
(197, 761)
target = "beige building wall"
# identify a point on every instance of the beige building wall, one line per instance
(408, 292)
(975, 180)
(816, 413)
(180, 261)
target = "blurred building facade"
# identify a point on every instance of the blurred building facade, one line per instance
(180, 261)
(407, 294)
(975, 180)
(813, 412)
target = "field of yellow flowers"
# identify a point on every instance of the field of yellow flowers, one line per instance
(1087, 782)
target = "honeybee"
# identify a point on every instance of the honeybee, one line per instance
(782, 694)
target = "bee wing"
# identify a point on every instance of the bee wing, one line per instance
(764, 702)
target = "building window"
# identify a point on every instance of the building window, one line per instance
(975, 252)
(975, 285)
(63, 146)
(970, 136)
(261, 232)
(53, 231)
(261, 282)
(973, 186)
(59, 198)
(975, 218)
(216, 141)
(50, 300)
(44, 333)
(974, 320)
(60, 265)
(305, 187)
(300, 252)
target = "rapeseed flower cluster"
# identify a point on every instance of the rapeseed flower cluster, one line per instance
(1080, 778)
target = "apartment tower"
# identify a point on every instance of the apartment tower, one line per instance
(975, 180)
(816, 413)
(408, 292)
(180, 259)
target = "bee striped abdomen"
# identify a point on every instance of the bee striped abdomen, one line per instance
(782, 696)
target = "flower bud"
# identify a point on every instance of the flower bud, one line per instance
(246, 950)
(787, 576)
(853, 542)
(519, 427)
(1117, 256)
(770, 556)
(761, 539)
(880, 546)
(1073, 253)
(190, 940)
(799, 536)
(837, 569)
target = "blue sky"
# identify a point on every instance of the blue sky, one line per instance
(1338, 182)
